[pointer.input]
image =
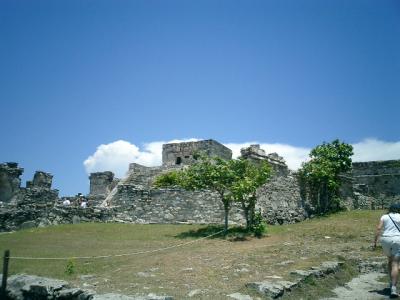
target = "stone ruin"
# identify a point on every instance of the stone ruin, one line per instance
(175, 154)
(133, 199)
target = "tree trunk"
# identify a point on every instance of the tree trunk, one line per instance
(226, 211)
(251, 216)
(246, 214)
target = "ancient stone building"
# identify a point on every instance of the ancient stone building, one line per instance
(133, 198)
(185, 153)
(255, 153)
(137, 201)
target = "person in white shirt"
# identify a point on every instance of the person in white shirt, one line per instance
(388, 230)
(83, 204)
(66, 202)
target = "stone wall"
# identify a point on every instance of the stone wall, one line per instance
(23, 207)
(377, 178)
(49, 213)
(101, 183)
(256, 154)
(31, 206)
(142, 176)
(280, 201)
(41, 180)
(170, 206)
(371, 185)
(183, 153)
(10, 182)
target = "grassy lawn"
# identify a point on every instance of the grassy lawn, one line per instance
(215, 266)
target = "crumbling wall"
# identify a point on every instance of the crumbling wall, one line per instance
(101, 183)
(10, 182)
(142, 176)
(26, 205)
(256, 154)
(376, 184)
(280, 201)
(41, 180)
(377, 178)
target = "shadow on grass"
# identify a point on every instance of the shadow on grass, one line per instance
(234, 233)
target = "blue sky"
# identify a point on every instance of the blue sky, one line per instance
(75, 75)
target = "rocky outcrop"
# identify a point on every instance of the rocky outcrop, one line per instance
(29, 287)
(273, 289)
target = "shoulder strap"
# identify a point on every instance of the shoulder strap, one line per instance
(394, 223)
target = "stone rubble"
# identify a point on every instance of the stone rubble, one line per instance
(276, 288)
(239, 296)
(28, 287)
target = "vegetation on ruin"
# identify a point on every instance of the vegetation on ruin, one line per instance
(248, 178)
(217, 266)
(320, 176)
(213, 174)
(233, 180)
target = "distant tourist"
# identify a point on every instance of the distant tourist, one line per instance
(389, 231)
(84, 204)
(66, 202)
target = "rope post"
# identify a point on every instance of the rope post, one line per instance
(3, 291)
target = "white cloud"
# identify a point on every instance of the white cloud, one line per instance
(374, 149)
(117, 156)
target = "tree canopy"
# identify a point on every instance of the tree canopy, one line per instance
(248, 178)
(233, 180)
(320, 175)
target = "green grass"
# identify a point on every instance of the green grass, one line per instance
(217, 266)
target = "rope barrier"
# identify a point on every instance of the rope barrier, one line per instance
(115, 255)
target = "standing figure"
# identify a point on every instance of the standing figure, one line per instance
(388, 230)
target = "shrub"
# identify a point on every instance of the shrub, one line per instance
(70, 268)
(259, 226)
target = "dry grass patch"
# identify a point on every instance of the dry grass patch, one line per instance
(215, 267)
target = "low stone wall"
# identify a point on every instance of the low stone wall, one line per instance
(171, 206)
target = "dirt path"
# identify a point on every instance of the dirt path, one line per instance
(364, 287)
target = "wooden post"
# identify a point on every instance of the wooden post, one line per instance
(3, 291)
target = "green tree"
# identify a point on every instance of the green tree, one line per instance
(208, 173)
(320, 175)
(233, 180)
(169, 179)
(248, 178)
